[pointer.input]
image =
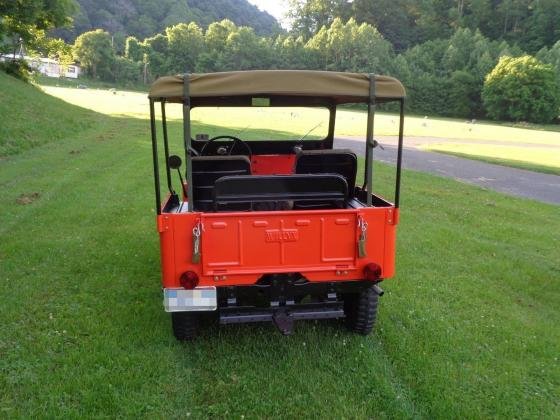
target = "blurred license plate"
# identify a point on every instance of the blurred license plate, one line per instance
(198, 299)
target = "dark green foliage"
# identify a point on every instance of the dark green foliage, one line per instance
(127, 71)
(145, 18)
(405, 23)
(522, 89)
(25, 22)
(94, 52)
(133, 50)
(23, 18)
(463, 95)
(17, 68)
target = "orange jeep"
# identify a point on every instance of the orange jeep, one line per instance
(272, 229)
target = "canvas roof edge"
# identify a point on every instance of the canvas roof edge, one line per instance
(338, 86)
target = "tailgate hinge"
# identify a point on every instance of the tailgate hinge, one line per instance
(162, 223)
(392, 216)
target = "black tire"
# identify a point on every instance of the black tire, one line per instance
(184, 325)
(361, 310)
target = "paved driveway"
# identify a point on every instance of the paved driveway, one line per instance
(518, 182)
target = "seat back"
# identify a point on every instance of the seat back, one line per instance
(300, 191)
(336, 161)
(207, 169)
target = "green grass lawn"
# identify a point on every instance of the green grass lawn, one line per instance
(517, 158)
(538, 159)
(505, 150)
(468, 328)
(349, 122)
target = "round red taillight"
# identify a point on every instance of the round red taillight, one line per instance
(372, 271)
(189, 280)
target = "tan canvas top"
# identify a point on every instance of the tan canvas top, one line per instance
(341, 87)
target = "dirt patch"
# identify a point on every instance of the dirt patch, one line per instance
(27, 198)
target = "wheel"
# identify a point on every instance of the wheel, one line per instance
(184, 325)
(361, 310)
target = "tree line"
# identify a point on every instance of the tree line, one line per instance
(443, 77)
(531, 24)
(452, 55)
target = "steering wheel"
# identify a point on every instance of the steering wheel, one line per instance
(227, 150)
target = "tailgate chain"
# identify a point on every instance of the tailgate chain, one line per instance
(196, 242)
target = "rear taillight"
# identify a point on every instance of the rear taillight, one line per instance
(189, 280)
(372, 272)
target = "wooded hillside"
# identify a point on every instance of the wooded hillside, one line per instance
(144, 18)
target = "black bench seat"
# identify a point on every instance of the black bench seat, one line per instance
(280, 191)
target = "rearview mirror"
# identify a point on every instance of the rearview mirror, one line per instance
(174, 162)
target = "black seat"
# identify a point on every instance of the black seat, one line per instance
(304, 191)
(336, 161)
(207, 169)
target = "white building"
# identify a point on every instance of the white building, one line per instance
(46, 66)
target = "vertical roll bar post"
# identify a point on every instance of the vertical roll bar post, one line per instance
(155, 155)
(399, 155)
(187, 137)
(368, 181)
(166, 147)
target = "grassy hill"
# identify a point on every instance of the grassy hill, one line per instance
(31, 118)
(469, 327)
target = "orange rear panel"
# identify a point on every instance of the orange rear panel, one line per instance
(238, 248)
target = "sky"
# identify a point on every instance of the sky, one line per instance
(276, 8)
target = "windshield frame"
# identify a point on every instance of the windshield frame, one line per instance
(268, 146)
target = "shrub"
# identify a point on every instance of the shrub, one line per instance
(17, 68)
(521, 89)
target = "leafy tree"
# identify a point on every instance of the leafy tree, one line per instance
(94, 52)
(156, 49)
(309, 16)
(127, 71)
(185, 43)
(133, 49)
(551, 56)
(25, 19)
(245, 51)
(59, 50)
(351, 47)
(215, 39)
(522, 89)
(395, 19)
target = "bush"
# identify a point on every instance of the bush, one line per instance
(127, 71)
(521, 89)
(17, 68)
(463, 95)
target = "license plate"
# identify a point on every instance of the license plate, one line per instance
(197, 299)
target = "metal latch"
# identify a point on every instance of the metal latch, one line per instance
(196, 233)
(362, 239)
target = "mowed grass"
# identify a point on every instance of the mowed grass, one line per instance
(538, 159)
(526, 146)
(28, 119)
(350, 122)
(469, 327)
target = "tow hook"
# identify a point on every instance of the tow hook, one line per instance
(283, 321)
(378, 290)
